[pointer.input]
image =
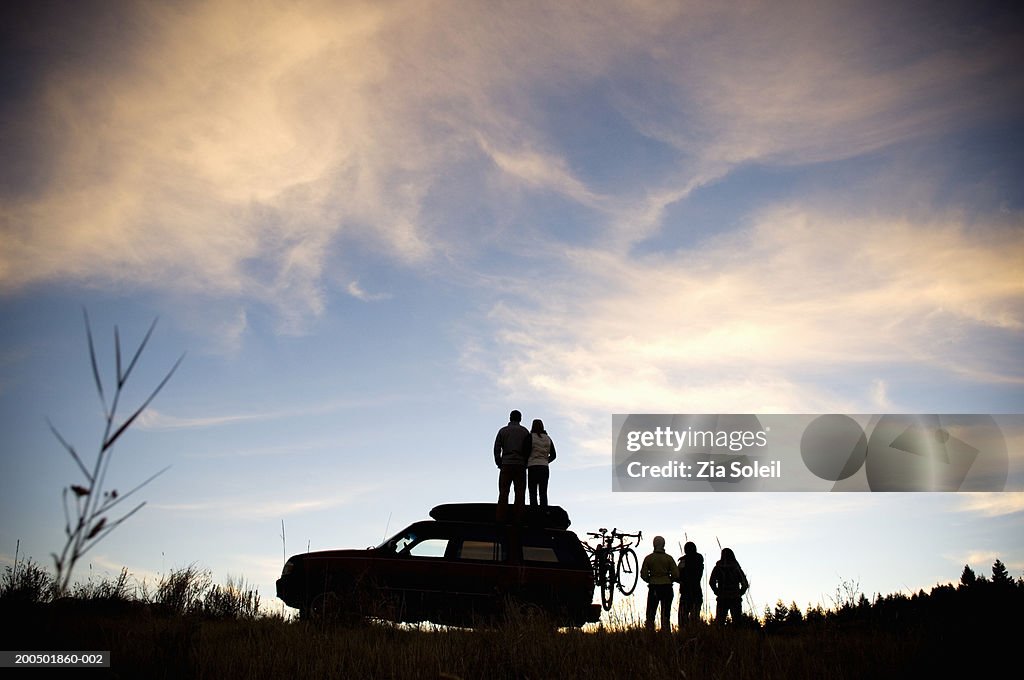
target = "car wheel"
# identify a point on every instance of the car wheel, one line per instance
(330, 608)
(323, 608)
(529, 611)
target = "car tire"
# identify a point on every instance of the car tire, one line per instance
(323, 607)
(330, 608)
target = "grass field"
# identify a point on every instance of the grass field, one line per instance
(146, 645)
(190, 628)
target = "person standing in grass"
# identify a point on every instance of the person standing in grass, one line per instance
(659, 572)
(512, 447)
(729, 583)
(691, 571)
(542, 453)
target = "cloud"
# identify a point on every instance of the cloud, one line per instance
(356, 291)
(180, 148)
(154, 419)
(981, 562)
(880, 396)
(783, 83)
(222, 156)
(992, 504)
(748, 321)
(541, 170)
(244, 508)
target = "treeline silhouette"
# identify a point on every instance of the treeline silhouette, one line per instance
(997, 600)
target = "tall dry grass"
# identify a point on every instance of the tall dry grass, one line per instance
(147, 645)
(188, 627)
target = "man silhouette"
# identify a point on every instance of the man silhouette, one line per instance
(691, 570)
(659, 572)
(512, 447)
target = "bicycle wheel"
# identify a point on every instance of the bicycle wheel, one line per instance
(607, 583)
(628, 571)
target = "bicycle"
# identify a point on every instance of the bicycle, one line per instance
(614, 563)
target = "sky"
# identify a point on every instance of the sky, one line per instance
(375, 228)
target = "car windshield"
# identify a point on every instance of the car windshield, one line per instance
(399, 542)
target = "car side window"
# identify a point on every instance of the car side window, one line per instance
(537, 553)
(429, 547)
(485, 551)
(555, 548)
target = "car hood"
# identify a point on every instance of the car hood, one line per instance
(335, 554)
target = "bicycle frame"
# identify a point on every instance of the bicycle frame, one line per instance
(612, 559)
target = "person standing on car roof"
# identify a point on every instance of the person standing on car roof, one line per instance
(512, 448)
(537, 472)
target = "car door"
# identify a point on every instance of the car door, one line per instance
(407, 571)
(556, 574)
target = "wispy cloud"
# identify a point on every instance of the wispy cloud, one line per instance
(225, 159)
(356, 291)
(880, 396)
(541, 170)
(238, 158)
(247, 508)
(992, 504)
(154, 419)
(981, 562)
(737, 322)
(840, 86)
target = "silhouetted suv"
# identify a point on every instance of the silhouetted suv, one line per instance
(461, 568)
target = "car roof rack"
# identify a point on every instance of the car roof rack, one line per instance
(551, 517)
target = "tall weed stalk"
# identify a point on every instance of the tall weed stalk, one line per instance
(87, 515)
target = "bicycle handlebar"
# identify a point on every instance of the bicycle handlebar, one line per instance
(608, 538)
(638, 536)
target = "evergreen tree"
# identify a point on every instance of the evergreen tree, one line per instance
(968, 578)
(1000, 576)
